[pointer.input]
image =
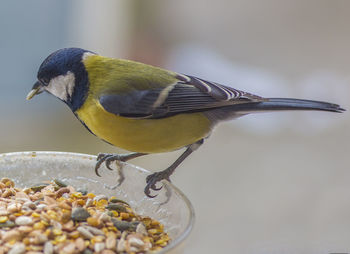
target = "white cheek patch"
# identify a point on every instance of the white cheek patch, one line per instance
(87, 54)
(62, 86)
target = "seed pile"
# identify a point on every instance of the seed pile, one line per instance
(55, 218)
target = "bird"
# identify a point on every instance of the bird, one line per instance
(146, 109)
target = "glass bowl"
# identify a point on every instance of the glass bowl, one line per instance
(29, 168)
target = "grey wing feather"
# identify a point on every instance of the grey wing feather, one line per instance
(135, 104)
(189, 94)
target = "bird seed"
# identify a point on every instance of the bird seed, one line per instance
(54, 218)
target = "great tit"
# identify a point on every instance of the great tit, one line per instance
(145, 109)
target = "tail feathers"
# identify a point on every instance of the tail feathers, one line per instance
(272, 104)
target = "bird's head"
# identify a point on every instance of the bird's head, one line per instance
(63, 75)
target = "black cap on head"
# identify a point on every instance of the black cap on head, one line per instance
(63, 74)
(60, 62)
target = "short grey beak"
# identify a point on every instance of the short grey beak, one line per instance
(37, 89)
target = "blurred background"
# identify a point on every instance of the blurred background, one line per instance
(268, 183)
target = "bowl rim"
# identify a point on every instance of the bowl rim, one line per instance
(174, 243)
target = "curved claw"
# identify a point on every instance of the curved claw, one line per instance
(103, 157)
(108, 163)
(148, 193)
(100, 160)
(151, 181)
(155, 188)
(96, 170)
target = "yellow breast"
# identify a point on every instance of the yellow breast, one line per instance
(144, 135)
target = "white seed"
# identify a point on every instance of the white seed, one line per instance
(121, 243)
(147, 246)
(136, 242)
(134, 249)
(22, 199)
(141, 228)
(40, 239)
(94, 231)
(69, 248)
(89, 202)
(56, 224)
(41, 206)
(48, 248)
(14, 207)
(66, 195)
(25, 229)
(111, 242)
(85, 233)
(3, 212)
(23, 220)
(80, 244)
(105, 217)
(11, 235)
(99, 247)
(30, 205)
(17, 248)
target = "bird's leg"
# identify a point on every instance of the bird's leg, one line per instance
(109, 158)
(154, 178)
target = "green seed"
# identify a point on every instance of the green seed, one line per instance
(39, 186)
(116, 207)
(7, 224)
(125, 225)
(60, 183)
(80, 214)
(116, 200)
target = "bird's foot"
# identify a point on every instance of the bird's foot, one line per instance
(153, 179)
(108, 158)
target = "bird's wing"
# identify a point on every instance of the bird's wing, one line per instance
(188, 94)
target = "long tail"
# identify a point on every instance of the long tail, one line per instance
(272, 104)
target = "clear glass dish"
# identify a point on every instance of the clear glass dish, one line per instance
(28, 168)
